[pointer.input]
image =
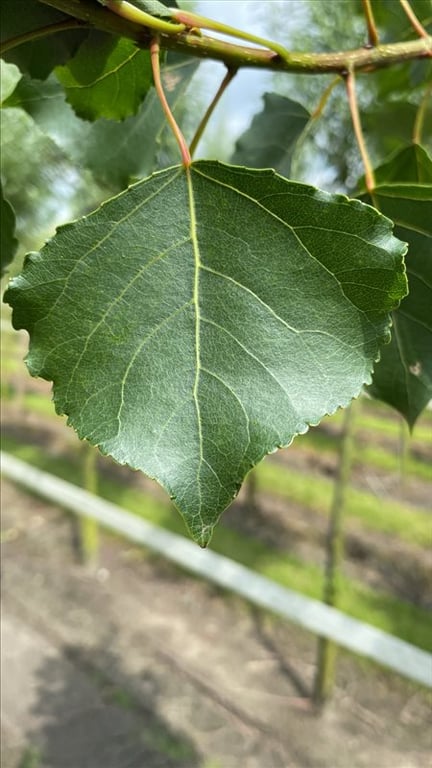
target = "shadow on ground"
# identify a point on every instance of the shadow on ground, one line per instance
(88, 718)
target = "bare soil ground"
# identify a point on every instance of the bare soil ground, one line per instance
(138, 665)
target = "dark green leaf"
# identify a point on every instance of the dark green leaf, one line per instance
(114, 152)
(270, 141)
(8, 241)
(108, 77)
(203, 318)
(37, 57)
(403, 377)
(412, 165)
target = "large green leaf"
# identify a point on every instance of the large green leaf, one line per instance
(270, 141)
(37, 57)
(108, 77)
(8, 241)
(114, 152)
(403, 377)
(203, 318)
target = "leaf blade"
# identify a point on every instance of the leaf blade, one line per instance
(8, 243)
(108, 77)
(270, 140)
(193, 348)
(403, 376)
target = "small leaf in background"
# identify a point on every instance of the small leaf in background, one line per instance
(38, 57)
(9, 78)
(270, 141)
(204, 317)
(411, 165)
(403, 376)
(108, 77)
(389, 126)
(8, 241)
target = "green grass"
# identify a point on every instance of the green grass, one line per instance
(315, 493)
(321, 442)
(314, 439)
(391, 427)
(409, 622)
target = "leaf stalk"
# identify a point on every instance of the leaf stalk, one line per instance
(370, 23)
(414, 21)
(420, 116)
(358, 131)
(181, 141)
(211, 108)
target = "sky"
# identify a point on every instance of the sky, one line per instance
(243, 99)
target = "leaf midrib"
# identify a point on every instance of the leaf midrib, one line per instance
(196, 296)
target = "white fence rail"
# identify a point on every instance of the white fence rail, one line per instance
(363, 639)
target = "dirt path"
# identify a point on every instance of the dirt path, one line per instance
(138, 665)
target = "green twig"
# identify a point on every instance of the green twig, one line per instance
(414, 21)
(181, 141)
(327, 650)
(316, 114)
(211, 108)
(404, 451)
(137, 16)
(420, 116)
(88, 528)
(194, 20)
(236, 56)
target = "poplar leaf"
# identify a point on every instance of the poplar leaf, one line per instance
(108, 77)
(271, 139)
(36, 57)
(204, 317)
(403, 377)
(8, 241)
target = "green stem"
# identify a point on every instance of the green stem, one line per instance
(201, 22)
(355, 117)
(137, 16)
(211, 108)
(89, 529)
(327, 650)
(404, 451)
(420, 116)
(251, 488)
(181, 141)
(324, 98)
(37, 34)
(414, 21)
(236, 56)
(370, 23)
(316, 114)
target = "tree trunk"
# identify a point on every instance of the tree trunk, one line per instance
(327, 650)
